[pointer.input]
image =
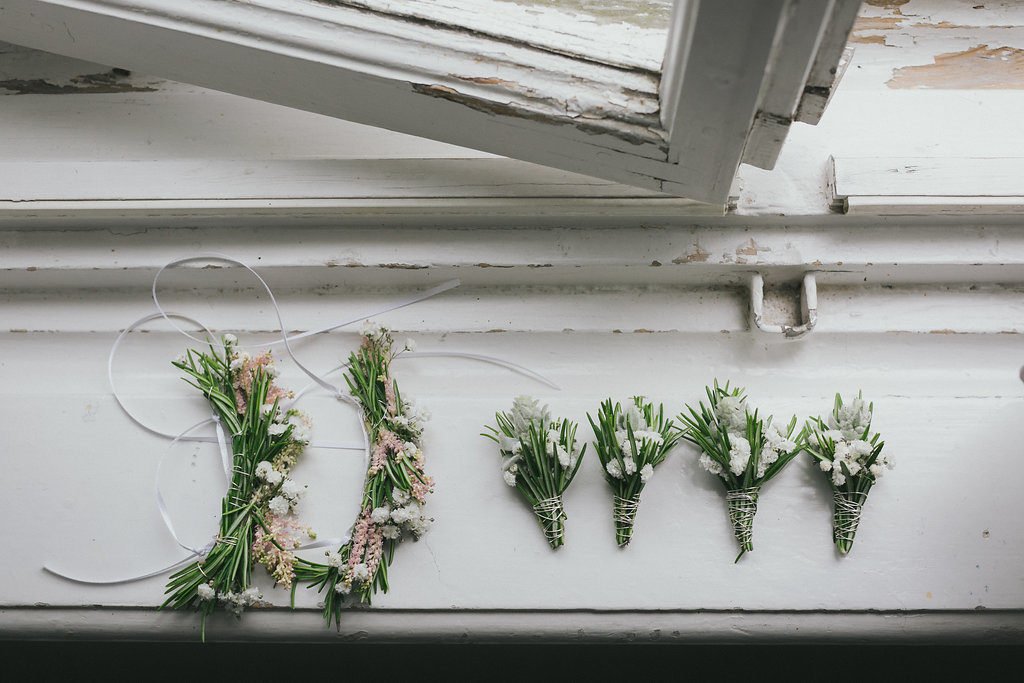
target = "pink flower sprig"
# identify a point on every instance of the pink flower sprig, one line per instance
(396, 486)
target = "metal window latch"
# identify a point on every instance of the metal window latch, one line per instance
(808, 309)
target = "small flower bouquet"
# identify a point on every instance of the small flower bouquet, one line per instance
(540, 460)
(741, 448)
(630, 444)
(396, 485)
(851, 457)
(256, 522)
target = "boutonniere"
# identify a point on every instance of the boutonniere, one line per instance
(540, 460)
(740, 447)
(852, 459)
(630, 443)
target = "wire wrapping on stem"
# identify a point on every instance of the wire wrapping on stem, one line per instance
(624, 514)
(846, 518)
(551, 515)
(742, 508)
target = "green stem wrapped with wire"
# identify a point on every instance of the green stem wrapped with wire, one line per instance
(540, 460)
(852, 459)
(256, 525)
(630, 443)
(395, 489)
(741, 448)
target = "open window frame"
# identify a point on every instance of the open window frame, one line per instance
(736, 74)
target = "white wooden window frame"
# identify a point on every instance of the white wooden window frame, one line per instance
(735, 75)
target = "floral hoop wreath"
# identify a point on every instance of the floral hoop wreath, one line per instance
(395, 488)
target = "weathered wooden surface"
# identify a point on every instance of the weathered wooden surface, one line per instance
(922, 313)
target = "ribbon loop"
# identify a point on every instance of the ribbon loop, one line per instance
(220, 436)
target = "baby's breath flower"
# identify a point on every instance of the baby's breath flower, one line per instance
(206, 592)
(291, 489)
(279, 505)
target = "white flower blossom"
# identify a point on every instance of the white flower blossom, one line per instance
(635, 418)
(838, 478)
(630, 465)
(390, 532)
(380, 515)
(646, 472)
(401, 496)
(613, 469)
(526, 411)
(564, 458)
(206, 592)
(370, 329)
(252, 595)
(825, 465)
(404, 514)
(509, 477)
(418, 526)
(230, 340)
(876, 470)
(851, 418)
(277, 428)
(652, 436)
(334, 559)
(279, 505)
(778, 441)
(739, 454)
(342, 588)
(360, 572)
(291, 489)
(732, 412)
(410, 344)
(237, 363)
(708, 463)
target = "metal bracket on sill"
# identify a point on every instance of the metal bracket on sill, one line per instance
(808, 309)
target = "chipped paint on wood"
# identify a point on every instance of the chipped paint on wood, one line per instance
(867, 40)
(696, 255)
(623, 33)
(978, 68)
(113, 81)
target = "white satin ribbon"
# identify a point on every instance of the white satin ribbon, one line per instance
(220, 437)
